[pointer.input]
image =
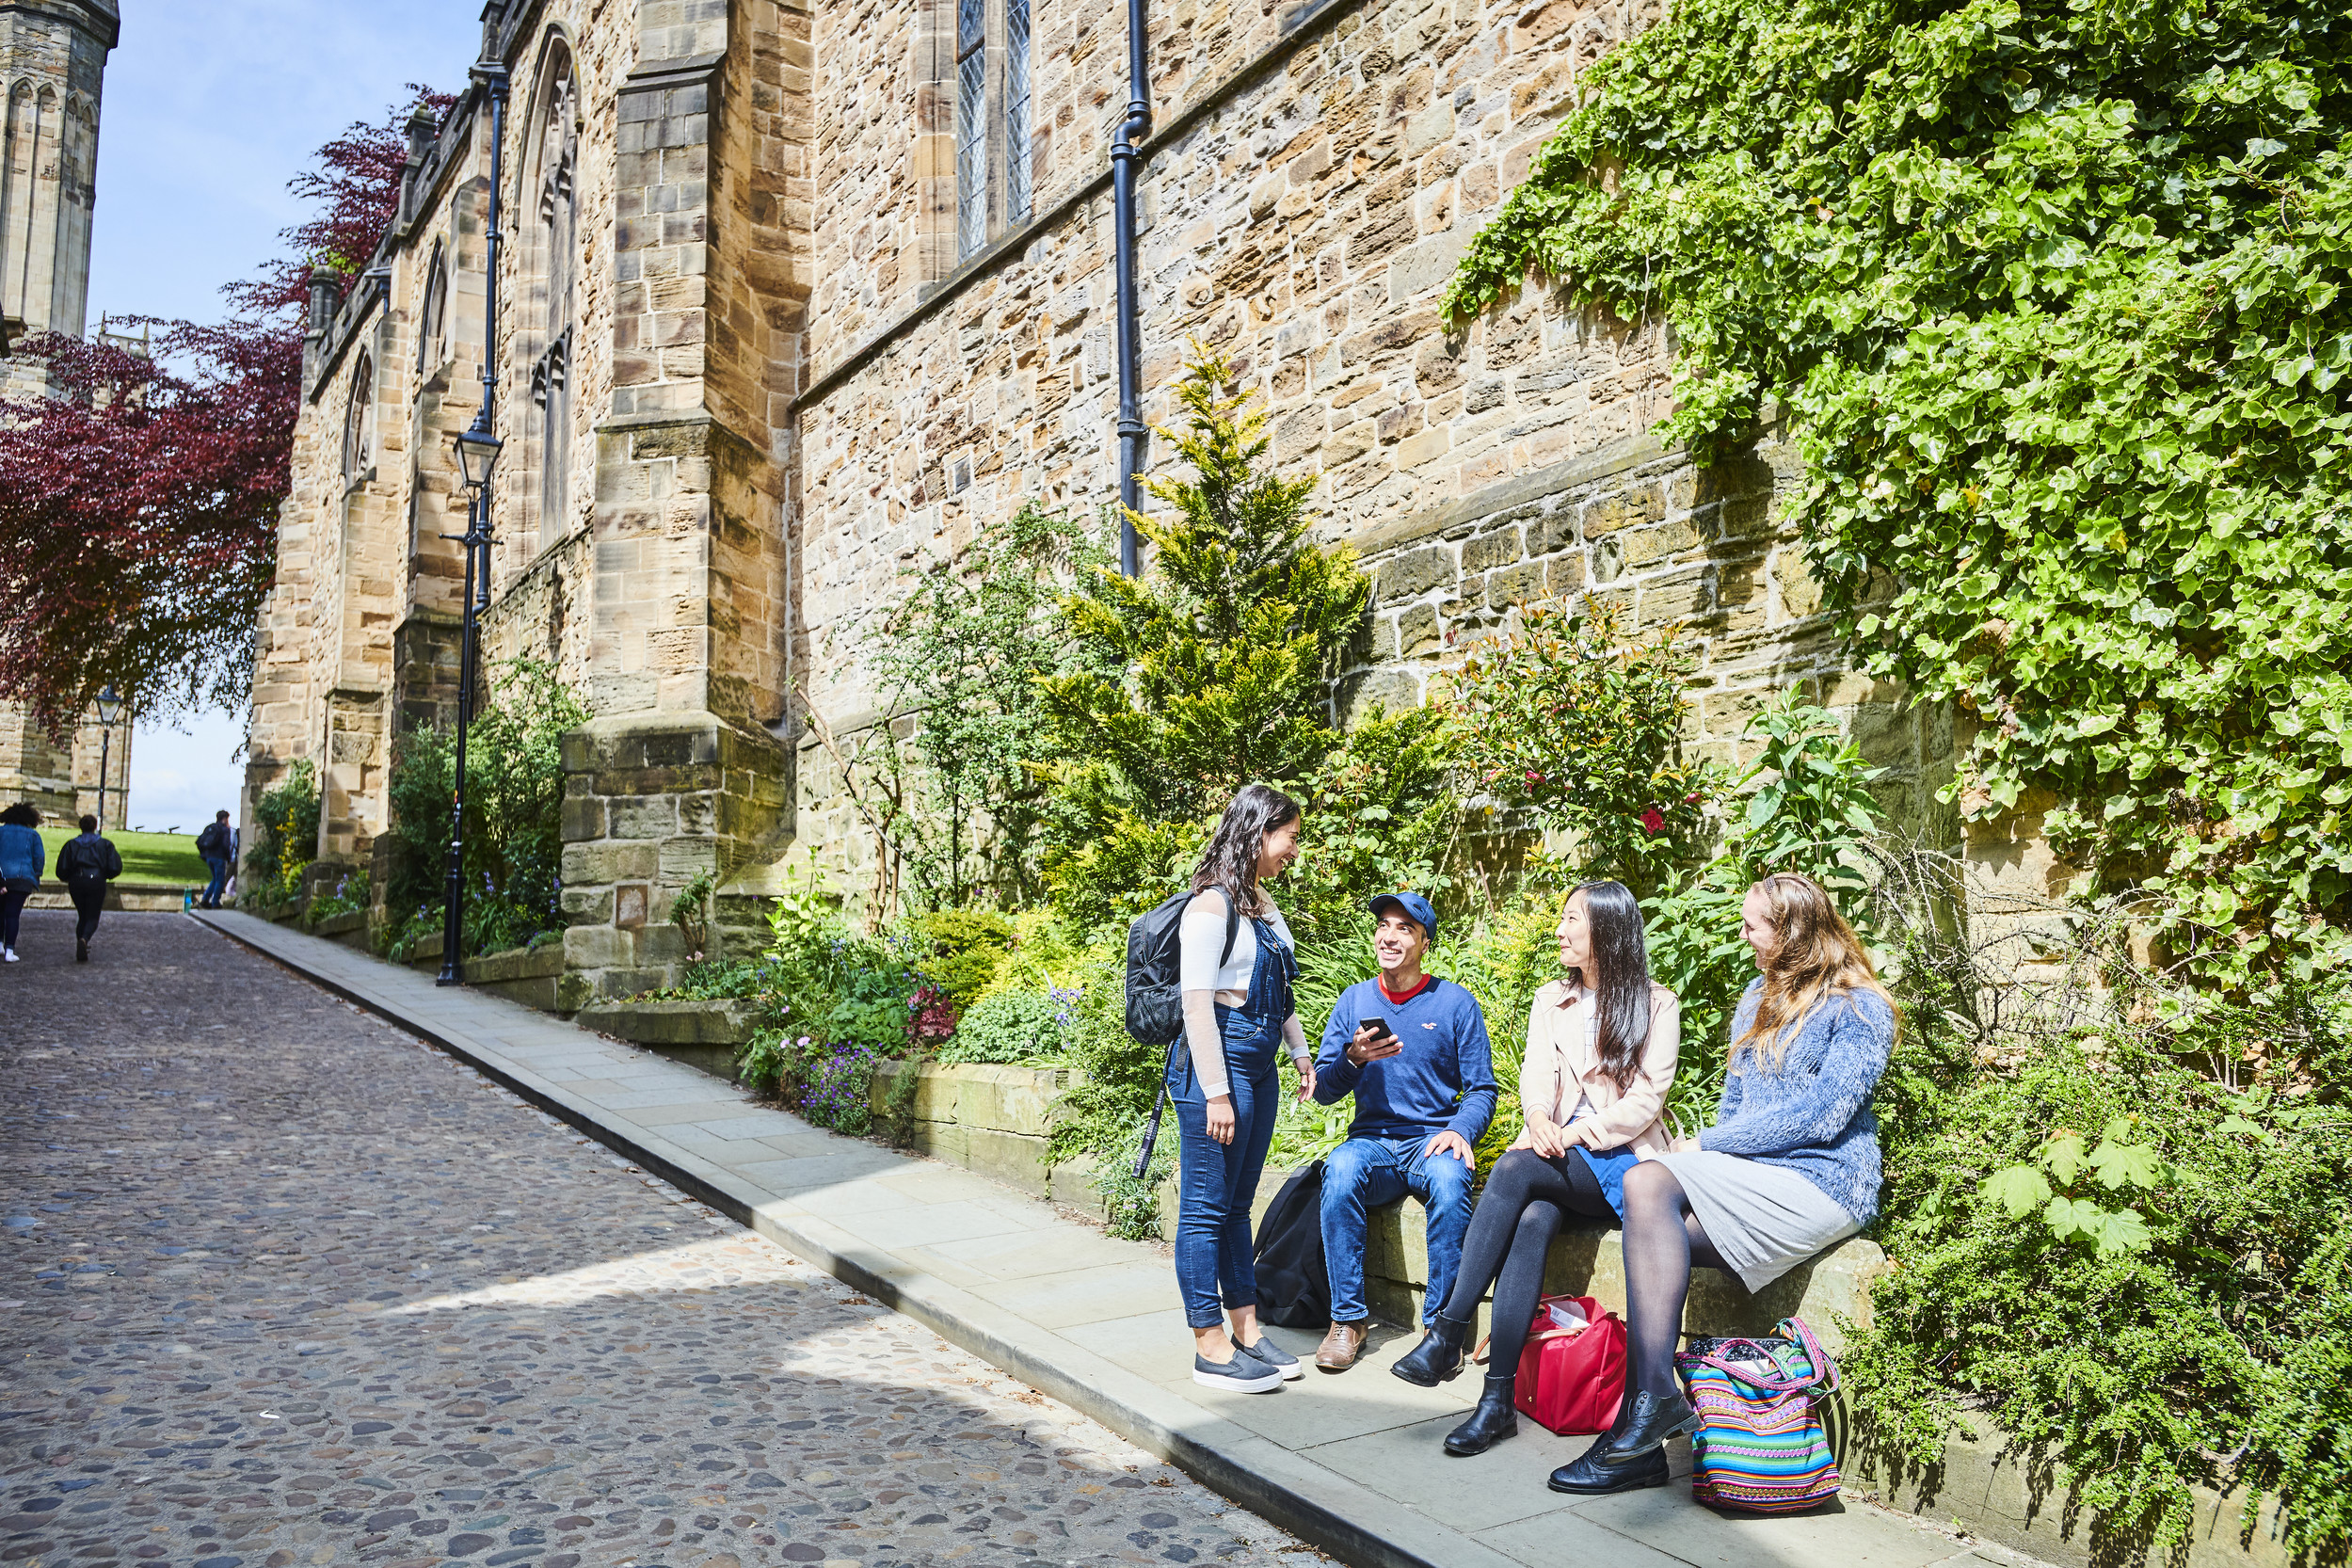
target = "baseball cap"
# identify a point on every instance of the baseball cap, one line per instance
(1413, 907)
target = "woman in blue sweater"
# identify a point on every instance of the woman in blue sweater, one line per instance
(1789, 1168)
(22, 858)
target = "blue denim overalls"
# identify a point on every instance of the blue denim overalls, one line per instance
(1217, 1182)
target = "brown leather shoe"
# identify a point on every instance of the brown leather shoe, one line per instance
(1340, 1346)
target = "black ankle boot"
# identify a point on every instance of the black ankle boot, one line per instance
(1593, 1474)
(1437, 1357)
(1490, 1423)
(1652, 1420)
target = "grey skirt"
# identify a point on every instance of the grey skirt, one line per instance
(1763, 1218)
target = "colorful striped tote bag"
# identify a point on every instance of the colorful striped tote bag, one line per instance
(1761, 1447)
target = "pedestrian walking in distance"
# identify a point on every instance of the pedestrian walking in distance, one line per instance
(217, 844)
(23, 857)
(86, 865)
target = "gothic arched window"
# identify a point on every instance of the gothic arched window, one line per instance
(433, 315)
(992, 148)
(551, 196)
(359, 425)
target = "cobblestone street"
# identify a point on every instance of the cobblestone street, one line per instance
(286, 1287)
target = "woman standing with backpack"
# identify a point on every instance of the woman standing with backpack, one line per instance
(1235, 965)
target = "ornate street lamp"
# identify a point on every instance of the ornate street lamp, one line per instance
(109, 709)
(477, 455)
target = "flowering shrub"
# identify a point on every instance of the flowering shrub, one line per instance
(838, 1086)
(1015, 1026)
(1578, 724)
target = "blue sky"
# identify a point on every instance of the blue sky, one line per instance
(211, 107)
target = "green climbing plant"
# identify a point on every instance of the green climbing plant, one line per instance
(2055, 298)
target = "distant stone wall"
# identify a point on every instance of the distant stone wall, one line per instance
(1308, 194)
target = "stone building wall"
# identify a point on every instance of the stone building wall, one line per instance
(649, 295)
(1315, 175)
(782, 386)
(53, 66)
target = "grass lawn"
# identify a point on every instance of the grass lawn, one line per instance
(146, 856)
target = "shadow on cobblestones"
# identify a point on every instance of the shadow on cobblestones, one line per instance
(285, 1286)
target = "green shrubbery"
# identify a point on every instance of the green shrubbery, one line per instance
(285, 839)
(514, 840)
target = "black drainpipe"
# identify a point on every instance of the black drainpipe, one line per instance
(1124, 155)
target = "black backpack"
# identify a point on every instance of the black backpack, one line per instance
(1293, 1279)
(1155, 994)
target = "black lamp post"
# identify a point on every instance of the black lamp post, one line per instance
(1125, 153)
(109, 708)
(477, 455)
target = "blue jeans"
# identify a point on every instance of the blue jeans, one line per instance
(1364, 1172)
(220, 879)
(1217, 1182)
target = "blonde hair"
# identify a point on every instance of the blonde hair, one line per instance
(1815, 956)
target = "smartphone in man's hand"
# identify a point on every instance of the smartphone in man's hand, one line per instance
(1372, 1042)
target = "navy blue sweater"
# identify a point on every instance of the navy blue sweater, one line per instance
(1443, 1078)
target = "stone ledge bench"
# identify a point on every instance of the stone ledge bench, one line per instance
(1587, 1260)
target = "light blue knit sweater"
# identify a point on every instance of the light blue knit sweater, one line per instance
(1813, 1117)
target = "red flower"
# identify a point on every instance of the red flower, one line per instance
(1653, 821)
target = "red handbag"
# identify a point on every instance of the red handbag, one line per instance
(1572, 1380)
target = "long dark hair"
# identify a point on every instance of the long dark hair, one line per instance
(1621, 998)
(1230, 861)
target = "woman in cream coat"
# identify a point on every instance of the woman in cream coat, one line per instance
(1602, 1044)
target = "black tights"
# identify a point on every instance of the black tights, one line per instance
(1662, 1241)
(1509, 1237)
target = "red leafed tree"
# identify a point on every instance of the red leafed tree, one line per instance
(139, 504)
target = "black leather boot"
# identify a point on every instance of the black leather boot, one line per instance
(1437, 1357)
(1490, 1423)
(1593, 1474)
(1652, 1420)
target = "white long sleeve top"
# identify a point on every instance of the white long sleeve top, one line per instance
(1200, 938)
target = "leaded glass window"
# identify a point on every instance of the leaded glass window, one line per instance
(972, 127)
(1015, 111)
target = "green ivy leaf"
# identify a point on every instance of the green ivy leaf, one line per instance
(2126, 1165)
(2019, 1189)
(2122, 1231)
(2070, 1218)
(2063, 1154)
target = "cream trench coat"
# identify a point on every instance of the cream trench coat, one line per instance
(1561, 1066)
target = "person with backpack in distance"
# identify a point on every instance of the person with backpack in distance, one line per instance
(1790, 1169)
(217, 844)
(86, 865)
(1235, 965)
(1602, 1046)
(22, 858)
(1412, 1051)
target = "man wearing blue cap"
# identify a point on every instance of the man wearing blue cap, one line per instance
(1413, 1050)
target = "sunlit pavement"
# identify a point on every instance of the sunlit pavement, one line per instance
(286, 1287)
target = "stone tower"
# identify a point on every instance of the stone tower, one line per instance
(53, 65)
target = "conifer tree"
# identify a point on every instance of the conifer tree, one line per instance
(1211, 671)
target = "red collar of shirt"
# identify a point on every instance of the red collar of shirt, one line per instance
(1396, 1000)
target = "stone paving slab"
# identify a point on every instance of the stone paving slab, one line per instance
(1352, 1462)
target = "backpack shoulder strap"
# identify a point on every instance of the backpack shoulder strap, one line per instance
(1233, 927)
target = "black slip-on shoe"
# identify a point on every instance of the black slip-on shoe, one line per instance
(1243, 1374)
(1276, 1356)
